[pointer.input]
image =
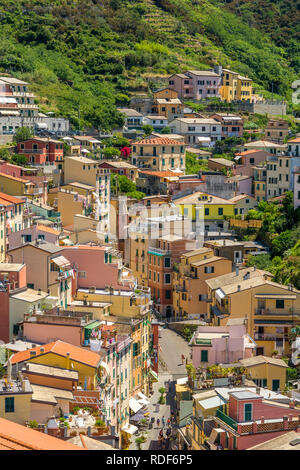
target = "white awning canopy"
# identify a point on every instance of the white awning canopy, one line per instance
(9, 113)
(143, 397)
(105, 366)
(203, 139)
(41, 125)
(61, 261)
(220, 294)
(135, 405)
(129, 428)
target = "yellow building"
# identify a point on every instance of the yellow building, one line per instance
(69, 204)
(205, 405)
(211, 208)
(235, 86)
(15, 401)
(266, 372)
(159, 153)
(260, 182)
(64, 356)
(134, 305)
(270, 309)
(81, 170)
(190, 289)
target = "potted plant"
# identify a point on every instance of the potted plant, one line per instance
(33, 424)
(139, 441)
(100, 426)
(76, 409)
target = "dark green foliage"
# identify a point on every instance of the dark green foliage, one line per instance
(93, 55)
(23, 133)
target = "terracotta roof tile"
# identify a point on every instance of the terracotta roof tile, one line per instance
(11, 199)
(158, 141)
(59, 347)
(43, 228)
(14, 436)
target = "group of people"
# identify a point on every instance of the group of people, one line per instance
(164, 434)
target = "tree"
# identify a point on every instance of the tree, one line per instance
(166, 130)
(147, 129)
(111, 152)
(19, 159)
(23, 133)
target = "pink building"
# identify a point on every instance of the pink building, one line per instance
(32, 233)
(97, 267)
(251, 420)
(220, 344)
(246, 160)
(196, 84)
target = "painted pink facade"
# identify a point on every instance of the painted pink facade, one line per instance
(267, 421)
(16, 239)
(233, 346)
(43, 333)
(17, 278)
(94, 267)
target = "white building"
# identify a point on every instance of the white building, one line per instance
(197, 131)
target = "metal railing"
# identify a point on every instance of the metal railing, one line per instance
(229, 421)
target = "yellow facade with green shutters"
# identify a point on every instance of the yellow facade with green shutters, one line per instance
(213, 208)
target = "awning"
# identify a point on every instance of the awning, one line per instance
(134, 405)
(203, 139)
(129, 428)
(143, 398)
(41, 125)
(154, 374)
(105, 366)
(220, 294)
(137, 417)
(61, 261)
(9, 113)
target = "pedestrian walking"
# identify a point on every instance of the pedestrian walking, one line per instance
(169, 422)
(182, 359)
(161, 437)
(163, 421)
(158, 422)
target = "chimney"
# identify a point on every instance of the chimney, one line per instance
(292, 404)
(32, 353)
(52, 427)
(257, 390)
(39, 291)
(238, 288)
(23, 381)
(67, 360)
(237, 271)
(42, 350)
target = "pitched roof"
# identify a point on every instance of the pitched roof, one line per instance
(14, 436)
(11, 199)
(225, 279)
(222, 161)
(294, 141)
(43, 228)
(13, 178)
(257, 360)
(161, 174)
(158, 141)
(209, 73)
(61, 348)
(49, 395)
(194, 199)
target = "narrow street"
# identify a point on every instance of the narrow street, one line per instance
(171, 368)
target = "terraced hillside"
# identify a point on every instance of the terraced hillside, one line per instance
(95, 53)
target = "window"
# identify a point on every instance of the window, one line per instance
(9, 405)
(168, 294)
(167, 278)
(204, 355)
(220, 211)
(209, 269)
(248, 412)
(167, 263)
(279, 303)
(206, 211)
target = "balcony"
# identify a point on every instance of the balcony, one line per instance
(158, 251)
(226, 419)
(277, 313)
(180, 289)
(269, 336)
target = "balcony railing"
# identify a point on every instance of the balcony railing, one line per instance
(158, 251)
(278, 313)
(269, 336)
(229, 421)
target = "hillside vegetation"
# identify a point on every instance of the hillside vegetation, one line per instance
(93, 54)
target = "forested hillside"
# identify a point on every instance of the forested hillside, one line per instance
(94, 54)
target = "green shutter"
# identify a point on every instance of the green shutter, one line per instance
(204, 355)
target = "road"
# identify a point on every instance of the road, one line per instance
(172, 346)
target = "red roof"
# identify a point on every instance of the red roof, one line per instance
(14, 436)
(295, 141)
(161, 174)
(248, 152)
(60, 348)
(11, 199)
(158, 141)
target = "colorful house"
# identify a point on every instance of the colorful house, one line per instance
(266, 371)
(41, 150)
